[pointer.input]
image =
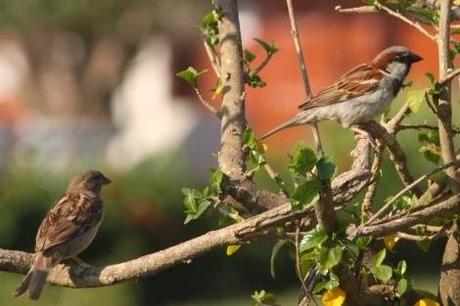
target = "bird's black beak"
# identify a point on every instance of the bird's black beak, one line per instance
(415, 58)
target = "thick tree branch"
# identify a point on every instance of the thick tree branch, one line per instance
(90, 276)
(449, 283)
(233, 124)
(444, 110)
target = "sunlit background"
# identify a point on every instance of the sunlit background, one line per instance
(91, 84)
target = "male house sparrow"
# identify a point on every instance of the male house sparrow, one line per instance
(67, 229)
(360, 94)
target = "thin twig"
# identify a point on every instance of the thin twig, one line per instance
(325, 207)
(430, 228)
(298, 48)
(359, 9)
(430, 104)
(423, 215)
(297, 259)
(419, 238)
(414, 24)
(276, 178)
(378, 6)
(303, 68)
(263, 64)
(402, 127)
(208, 105)
(213, 58)
(407, 188)
(447, 78)
(372, 189)
(393, 123)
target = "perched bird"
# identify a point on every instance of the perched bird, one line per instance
(67, 229)
(360, 94)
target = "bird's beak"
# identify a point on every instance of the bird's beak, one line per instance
(106, 181)
(415, 58)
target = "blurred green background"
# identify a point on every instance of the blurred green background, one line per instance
(90, 84)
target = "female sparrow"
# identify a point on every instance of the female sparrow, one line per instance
(360, 94)
(67, 229)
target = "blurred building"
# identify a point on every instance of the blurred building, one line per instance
(72, 91)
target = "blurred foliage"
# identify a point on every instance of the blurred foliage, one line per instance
(143, 214)
(129, 18)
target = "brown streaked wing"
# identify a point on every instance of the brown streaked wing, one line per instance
(349, 86)
(67, 220)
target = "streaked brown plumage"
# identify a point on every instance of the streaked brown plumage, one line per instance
(360, 94)
(67, 229)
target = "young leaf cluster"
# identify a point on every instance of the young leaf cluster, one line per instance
(197, 202)
(252, 77)
(309, 172)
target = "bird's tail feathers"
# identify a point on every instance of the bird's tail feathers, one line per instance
(289, 123)
(35, 280)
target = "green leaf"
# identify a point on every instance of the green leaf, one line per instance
(370, 2)
(401, 287)
(303, 161)
(307, 260)
(203, 205)
(254, 80)
(257, 158)
(190, 75)
(430, 146)
(209, 28)
(363, 241)
(249, 138)
(401, 268)
(249, 56)
(405, 202)
(304, 194)
(415, 99)
(232, 249)
(275, 250)
(260, 298)
(269, 48)
(427, 15)
(313, 239)
(254, 147)
(215, 181)
(327, 284)
(325, 169)
(430, 78)
(431, 154)
(429, 138)
(195, 204)
(379, 258)
(382, 272)
(457, 47)
(330, 257)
